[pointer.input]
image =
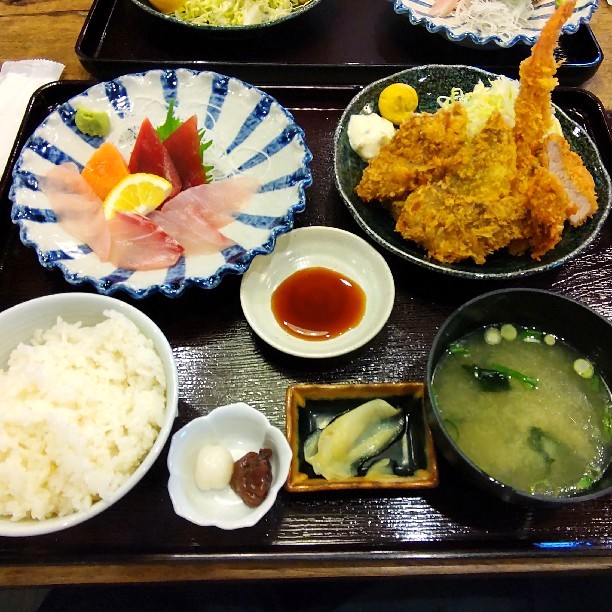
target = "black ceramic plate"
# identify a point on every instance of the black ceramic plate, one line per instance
(431, 82)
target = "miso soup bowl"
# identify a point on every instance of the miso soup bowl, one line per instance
(584, 329)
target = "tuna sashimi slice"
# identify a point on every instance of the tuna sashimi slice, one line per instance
(195, 215)
(150, 155)
(77, 207)
(139, 244)
(183, 145)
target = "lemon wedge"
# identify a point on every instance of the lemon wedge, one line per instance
(137, 193)
(397, 102)
(167, 6)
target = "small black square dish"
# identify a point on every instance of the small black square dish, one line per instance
(359, 436)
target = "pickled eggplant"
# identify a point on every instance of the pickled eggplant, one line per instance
(337, 451)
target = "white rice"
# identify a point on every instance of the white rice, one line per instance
(80, 407)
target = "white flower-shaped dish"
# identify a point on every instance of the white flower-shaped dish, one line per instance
(241, 429)
(252, 135)
(326, 247)
(419, 13)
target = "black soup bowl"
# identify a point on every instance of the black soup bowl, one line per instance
(578, 325)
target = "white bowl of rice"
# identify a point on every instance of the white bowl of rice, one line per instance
(88, 397)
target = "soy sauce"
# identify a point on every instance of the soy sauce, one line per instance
(318, 304)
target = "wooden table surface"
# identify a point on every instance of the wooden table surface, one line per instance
(49, 29)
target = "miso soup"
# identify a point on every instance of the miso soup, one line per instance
(526, 408)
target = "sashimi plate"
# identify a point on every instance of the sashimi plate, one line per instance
(252, 135)
(461, 31)
(430, 83)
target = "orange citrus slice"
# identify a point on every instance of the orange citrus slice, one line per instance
(137, 193)
(397, 102)
(167, 6)
(105, 168)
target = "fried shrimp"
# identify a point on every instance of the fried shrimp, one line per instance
(533, 106)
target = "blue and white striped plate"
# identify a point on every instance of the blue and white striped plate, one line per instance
(252, 134)
(419, 13)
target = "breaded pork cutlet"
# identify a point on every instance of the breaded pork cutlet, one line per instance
(470, 212)
(416, 154)
(577, 181)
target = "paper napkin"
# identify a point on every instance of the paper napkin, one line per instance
(18, 81)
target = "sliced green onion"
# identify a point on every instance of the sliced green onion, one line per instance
(492, 336)
(549, 339)
(583, 368)
(508, 332)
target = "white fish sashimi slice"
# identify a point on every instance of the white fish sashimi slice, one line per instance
(195, 215)
(193, 233)
(137, 243)
(77, 208)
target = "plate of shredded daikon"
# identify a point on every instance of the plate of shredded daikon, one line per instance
(490, 23)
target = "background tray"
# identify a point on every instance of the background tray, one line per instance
(220, 361)
(336, 42)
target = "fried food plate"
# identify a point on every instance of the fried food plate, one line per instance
(431, 82)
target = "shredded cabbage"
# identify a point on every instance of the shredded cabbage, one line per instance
(500, 95)
(235, 12)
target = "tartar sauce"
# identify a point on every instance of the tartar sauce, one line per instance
(368, 133)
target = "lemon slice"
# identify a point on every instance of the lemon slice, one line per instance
(137, 193)
(167, 6)
(397, 102)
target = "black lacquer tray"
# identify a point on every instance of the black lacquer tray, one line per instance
(220, 361)
(337, 42)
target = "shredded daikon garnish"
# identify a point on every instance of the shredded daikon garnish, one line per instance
(501, 18)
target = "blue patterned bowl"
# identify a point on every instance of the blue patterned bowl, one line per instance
(458, 31)
(252, 135)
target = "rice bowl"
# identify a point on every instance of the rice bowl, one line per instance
(83, 453)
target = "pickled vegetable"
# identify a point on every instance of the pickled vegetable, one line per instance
(355, 436)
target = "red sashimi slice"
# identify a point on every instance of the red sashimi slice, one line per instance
(150, 155)
(184, 148)
(77, 208)
(139, 244)
(194, 216)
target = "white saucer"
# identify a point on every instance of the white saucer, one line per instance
(318, 246)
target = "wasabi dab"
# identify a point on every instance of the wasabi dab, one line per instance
(92, 122)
